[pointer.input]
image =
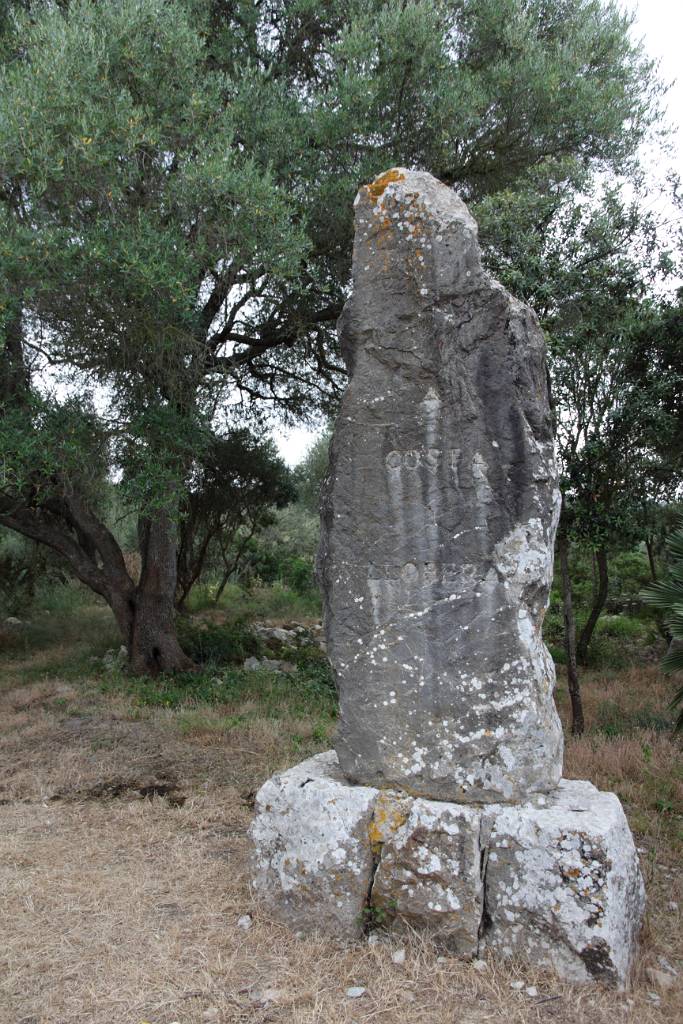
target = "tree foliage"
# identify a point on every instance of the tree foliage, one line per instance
(311, 471)
(229, 499)
(176, 187)
(593, 266)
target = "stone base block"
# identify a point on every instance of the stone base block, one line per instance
(563, 884)
(314, 859)
(429, 873)
(555, 879)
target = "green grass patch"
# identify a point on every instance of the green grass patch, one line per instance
(273, 602)
(62, 643)
(197, 720)
(309, 691)
(64, 599)
(612, 720)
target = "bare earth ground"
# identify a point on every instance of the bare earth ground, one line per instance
(124, 871)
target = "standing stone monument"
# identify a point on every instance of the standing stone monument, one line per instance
(439, 518)
(443, 804)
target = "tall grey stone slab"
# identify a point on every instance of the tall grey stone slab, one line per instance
(439, 513)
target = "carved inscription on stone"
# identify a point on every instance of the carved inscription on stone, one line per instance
(429, 458)
(425, 572)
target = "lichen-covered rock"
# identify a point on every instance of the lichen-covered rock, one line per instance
(429, 874)
(554, 880)
(563, 884)
(313, 859)
(439, 514)
(391, 811)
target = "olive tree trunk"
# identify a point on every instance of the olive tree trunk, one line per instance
(153, 646)
(145, 611)
(573, 684)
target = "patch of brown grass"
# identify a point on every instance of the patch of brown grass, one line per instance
(128, 912)
(119, 909)
(643, 766)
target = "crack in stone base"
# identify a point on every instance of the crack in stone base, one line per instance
(368, 908)
(485, 921)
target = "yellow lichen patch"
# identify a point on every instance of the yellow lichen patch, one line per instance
(377, 187)
(390, 813)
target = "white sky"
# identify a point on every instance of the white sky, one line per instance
(660, 25)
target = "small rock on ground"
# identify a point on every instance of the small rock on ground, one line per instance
(267, 995)
(661, 979)
(666, 966)
(355, 992)
(268, 664)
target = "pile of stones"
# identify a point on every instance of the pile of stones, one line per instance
(282, 640)
(443, 805)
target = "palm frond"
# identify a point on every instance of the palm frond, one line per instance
(677, 702)
(662, 595)
(667, 596)
(673, 661)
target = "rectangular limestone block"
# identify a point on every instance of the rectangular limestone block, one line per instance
(430, 877)
(313, 858)
(563, 884)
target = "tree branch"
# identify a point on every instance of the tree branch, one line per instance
(35, 526)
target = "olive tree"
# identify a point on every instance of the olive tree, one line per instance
(176, 187)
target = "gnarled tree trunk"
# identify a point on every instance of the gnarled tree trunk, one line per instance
(144, 613)
(153, 645)
(598, 604)
(63, 521)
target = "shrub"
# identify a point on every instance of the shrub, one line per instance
(622, 626)
(314, 667)
(226, 644)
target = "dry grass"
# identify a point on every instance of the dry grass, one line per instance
(119, 909)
